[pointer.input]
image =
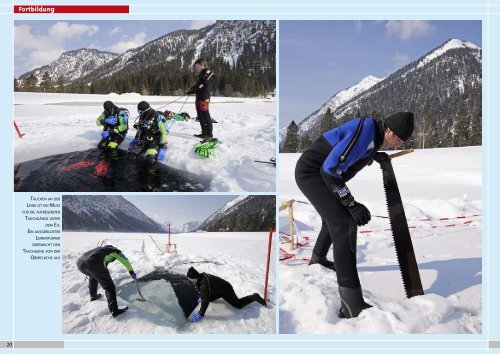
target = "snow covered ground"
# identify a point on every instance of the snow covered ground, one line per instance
(435, 183)
(239, 258)
(60, 123)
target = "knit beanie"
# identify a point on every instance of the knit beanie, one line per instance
(193, 273)
(402, 124)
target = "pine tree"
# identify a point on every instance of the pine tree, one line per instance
(29, 83)
(461, 127)
(46, 84)
(476, 128)
(328, 122)
(305, 142)
(60, 84)
(291, 143)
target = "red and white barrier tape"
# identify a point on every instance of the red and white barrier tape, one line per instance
(422, 219)
(466, 223)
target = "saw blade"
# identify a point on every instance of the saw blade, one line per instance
(400, 232)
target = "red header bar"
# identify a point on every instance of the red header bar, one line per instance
(71, 9)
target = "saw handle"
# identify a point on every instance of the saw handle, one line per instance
(401, 153)
(383, 156)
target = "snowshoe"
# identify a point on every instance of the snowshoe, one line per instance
(205, 147)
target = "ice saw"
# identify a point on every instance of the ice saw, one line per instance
(399, 226)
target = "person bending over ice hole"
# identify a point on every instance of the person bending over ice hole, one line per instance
(202, 91)
(212, 288)
(321, 173)
(94, 264)
(114, 121)
(151, 134)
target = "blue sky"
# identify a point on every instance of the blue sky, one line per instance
(38, 43)
(179, 209)
(320, 58)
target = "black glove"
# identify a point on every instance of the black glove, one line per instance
(359, 213)
(380, 157)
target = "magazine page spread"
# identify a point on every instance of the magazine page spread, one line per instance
(250, 177)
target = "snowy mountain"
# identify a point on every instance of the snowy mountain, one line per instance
(187, 227)
(111, 213)
(443, 88)
(72, 65)
(245, 213)
(336, 101)
(248, 47)
(190, 226)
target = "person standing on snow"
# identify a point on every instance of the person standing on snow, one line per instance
(321, 173)
(151, 134)
(94, 264)
(202, 91)
(114, 121)
(212, 288)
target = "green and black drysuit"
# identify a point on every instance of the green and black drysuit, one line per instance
(94, 264)
(151, 135)
(117, 132)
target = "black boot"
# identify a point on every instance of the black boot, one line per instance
(120, 311)
(352, 302)
(259, 299)
(113, 304)
(322, 261)
(94, 298)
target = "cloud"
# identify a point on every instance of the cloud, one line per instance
(33, 50)
(63, 31)
(115, 30)
(200, 24)
(358, 25)
(126, 43)
(25, 40)
(406, 30)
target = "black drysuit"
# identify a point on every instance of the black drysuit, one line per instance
(211, 287)
(338, 227)
(202, 91)
(94, 264)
